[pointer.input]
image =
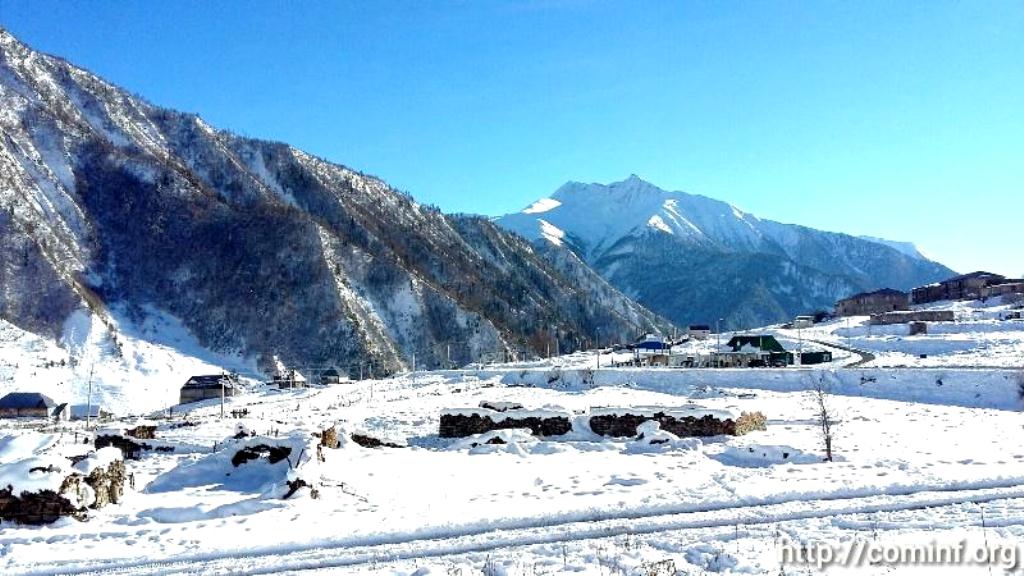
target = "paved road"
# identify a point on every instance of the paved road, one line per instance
(865, 357)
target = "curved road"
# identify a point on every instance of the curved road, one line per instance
(865, 357)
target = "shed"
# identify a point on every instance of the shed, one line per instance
(331, 376)
(84, 411)
(32, 405)
(803, 322)
(699, 331)
(815, 357)
(651, 343)
(208, 387)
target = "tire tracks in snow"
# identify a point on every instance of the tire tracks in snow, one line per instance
(398, 547)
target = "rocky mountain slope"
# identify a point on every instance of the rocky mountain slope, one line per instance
(695, 259)
(126, 209)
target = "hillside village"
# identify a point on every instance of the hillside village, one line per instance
(617, 424)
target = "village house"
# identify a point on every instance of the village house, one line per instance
(964, 287)
(208, 387)
(699, 331)
(289, 379)
(877, 302)
(651, 350)
(1008, 287)
(803, 322)
(89, 412)
(754, 350)
(32, 405)
(330, 376)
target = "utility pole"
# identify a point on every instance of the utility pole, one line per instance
(88, 404)
(598, 347)
(413, 361)
(849, 337)
(222, 396)
(718, 341)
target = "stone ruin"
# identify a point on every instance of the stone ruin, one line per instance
(460, 423)
(105, 483)
(329, 438)
(273, 454)
(142, 432)
(131, 449)
(686, 423)
(367, 441)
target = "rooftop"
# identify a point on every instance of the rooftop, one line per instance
(27, 400)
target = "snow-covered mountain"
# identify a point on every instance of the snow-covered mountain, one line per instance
(908, 248)
(693, 258)
(116, 208)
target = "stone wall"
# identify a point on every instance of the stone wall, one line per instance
(625, 424)
(47, 506)
(461, 425)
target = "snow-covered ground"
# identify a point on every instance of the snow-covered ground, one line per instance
(927, 453)
(134, 369)
(905, 470)
(979, 337)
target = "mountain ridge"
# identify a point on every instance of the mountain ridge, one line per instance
(107, 200)
(613, 225)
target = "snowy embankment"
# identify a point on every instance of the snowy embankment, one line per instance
(997, 389)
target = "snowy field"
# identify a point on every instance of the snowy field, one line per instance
(928, 453)
(905, 471)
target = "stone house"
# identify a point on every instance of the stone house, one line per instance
(877, 302)
(208, 387)
(963, 287)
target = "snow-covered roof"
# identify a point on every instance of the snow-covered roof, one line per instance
(26, 400)
(101, 458)
(85, 410)
(210, 381)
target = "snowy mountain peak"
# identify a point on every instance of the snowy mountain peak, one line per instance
(600, 215)
(773, 270)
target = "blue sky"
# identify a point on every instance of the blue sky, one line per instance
(896, 119)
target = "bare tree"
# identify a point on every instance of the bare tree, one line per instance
(824, 415)
(1020, 383)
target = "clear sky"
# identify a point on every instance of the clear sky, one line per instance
(896, 119)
